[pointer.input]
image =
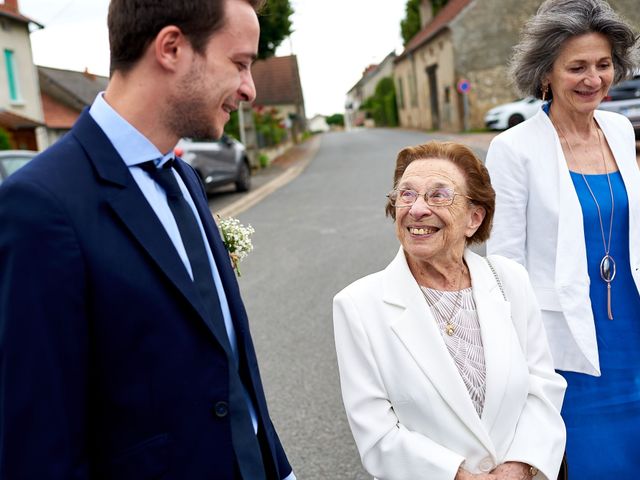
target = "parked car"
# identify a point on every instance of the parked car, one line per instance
(510, 114)
(12, 160)
(626, 90)
(218, 162)
(624, 98)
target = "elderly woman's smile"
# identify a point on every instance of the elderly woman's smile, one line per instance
(434, 218)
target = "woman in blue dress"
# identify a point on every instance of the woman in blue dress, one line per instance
(568, 208)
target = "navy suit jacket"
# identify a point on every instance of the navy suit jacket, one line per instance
(109, 368)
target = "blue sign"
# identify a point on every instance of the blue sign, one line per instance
(464, 85)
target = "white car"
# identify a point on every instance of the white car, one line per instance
(510, 114)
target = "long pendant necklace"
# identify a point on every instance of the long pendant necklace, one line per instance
(607, 264)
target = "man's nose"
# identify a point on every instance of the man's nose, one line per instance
(247, 88)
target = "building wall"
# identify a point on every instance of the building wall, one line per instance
(483, 36)
(15, 36)
(409, 114)
(415, 110)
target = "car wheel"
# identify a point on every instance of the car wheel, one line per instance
(243, 182)
(515, 119)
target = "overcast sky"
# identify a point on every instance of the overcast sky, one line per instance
(333, 39)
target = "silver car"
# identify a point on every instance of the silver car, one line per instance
(12, 160)
(218, 162)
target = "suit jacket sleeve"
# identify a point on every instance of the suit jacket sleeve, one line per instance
(540, 436)
(43, 338)
(387, 448)
(509, 180)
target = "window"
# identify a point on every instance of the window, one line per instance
(12, 76)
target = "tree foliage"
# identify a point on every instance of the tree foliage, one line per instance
(275, 26)
(5, 142)
(382, 106)
(410, 24)
(437, 5)
(335, 119)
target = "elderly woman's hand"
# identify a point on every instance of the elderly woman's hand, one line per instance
(464, 475)
(512, 471)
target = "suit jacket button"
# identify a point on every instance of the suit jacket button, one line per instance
(221, 409)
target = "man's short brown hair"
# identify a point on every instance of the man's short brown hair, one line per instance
(133, 24)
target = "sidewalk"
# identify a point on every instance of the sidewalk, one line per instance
(283, 169)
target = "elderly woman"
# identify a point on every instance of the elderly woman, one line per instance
(444, 365)
(568, 209)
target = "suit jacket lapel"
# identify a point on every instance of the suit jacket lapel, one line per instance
(218, 250)
(129, 204)
(417, 330)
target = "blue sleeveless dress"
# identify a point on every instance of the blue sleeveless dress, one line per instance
(602, 414)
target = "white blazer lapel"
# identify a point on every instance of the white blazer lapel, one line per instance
(625, 155)
(494, 314)
(417, 330)
(571, 276)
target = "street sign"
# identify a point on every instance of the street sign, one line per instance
(463, 85)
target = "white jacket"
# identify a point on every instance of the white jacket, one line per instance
(538, 222)
(409, 411)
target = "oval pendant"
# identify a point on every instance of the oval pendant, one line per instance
(607, 268)
(450, 329)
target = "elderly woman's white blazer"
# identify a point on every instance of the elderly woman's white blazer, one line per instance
(409, 410)
(538, 222)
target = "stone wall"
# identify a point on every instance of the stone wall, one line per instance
(479, 43)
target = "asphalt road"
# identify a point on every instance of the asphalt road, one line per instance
(313, 237)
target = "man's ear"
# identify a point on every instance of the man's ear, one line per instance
(170, 46)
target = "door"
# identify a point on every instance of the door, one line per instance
(432, 78)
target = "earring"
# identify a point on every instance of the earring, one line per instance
(545, 89)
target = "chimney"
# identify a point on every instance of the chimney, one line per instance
(10, 5)
(88, 74)
(426, 12)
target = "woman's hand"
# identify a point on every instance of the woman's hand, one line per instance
(512, 471)
(464, 475)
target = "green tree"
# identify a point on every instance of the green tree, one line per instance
(275, 26)
(5, 143)
(382, 105)
(437, 5)
(335, 119)
(410, 25)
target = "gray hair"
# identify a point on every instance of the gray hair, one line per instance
(557, 21)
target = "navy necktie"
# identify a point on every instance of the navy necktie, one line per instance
(245, 442)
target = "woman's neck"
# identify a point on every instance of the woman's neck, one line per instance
(446, 274)
(574, 125)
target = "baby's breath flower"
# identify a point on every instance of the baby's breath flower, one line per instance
(236, 238)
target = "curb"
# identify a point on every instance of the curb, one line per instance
(255, 196)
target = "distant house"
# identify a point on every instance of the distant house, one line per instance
(318, 123)
(277, 82)
(65, 93)
(20, 106)
(365, 88)
(470, 40)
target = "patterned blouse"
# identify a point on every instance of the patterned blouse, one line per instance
(458, 310)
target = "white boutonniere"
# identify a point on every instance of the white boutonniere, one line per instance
(236, 238)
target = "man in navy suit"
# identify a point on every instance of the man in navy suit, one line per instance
(119, 358)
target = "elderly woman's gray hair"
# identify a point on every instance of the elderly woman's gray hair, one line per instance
(556, 21)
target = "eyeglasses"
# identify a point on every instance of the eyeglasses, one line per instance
(435, 197)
